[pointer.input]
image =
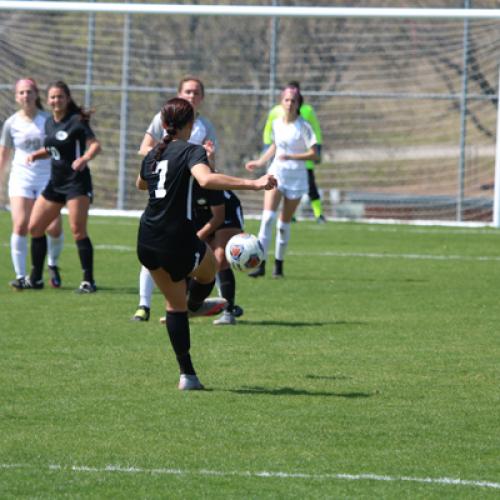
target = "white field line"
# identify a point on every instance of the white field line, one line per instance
(263, 474)
(362, 255)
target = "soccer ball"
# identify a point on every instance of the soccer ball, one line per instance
(244, 252)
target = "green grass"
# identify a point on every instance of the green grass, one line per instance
(367, 359)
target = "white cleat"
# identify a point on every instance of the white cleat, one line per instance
(190, 383)
(226, 318)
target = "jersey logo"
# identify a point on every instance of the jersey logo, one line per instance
(62, 135)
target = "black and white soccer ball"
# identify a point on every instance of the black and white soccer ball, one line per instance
(244, 252)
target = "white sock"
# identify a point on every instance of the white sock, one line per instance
(146, 287)
(18, 252)
(282, 239)
(266, 229)
(54, 249)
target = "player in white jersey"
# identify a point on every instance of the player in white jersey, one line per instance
(23, 133)
(294, 142)
(203, 134)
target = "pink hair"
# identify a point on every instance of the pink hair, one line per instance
(28, 81)
(293, 90)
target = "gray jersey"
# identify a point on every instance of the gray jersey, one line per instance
(203, 131)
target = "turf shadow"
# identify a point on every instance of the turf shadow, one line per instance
(298, 323)
(290, 391)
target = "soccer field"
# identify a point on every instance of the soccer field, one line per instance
(371, 371)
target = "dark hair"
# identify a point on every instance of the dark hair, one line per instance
(176, 113)
(34, 86)
(295, 84)
(190, 78)
(72, 106)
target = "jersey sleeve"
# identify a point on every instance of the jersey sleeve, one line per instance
(87, 131)
(155, 129)
(6, 136)
(309, 135)
(196, 155)
(211, 134)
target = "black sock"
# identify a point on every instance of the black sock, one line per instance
(227, 285)
(86, 254)
(278, 266)
(197, 293)
(38, 253)
(178, 332)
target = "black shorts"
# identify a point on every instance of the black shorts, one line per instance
(234, 219)
(178, 262)
(68, 192)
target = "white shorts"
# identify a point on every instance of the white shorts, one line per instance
(26, 188)
(292, 194)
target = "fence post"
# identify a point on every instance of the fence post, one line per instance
(122, 159)
(463, 117)
(496, 193)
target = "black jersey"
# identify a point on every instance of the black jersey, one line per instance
(203, 201)
(66, 141)
(167, 219)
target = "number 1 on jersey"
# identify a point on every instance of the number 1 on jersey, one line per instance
(161, 168)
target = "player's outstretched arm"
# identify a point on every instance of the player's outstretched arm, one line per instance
(262, 161)
(209, 179)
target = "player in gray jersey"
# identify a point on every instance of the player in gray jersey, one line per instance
(23, 133)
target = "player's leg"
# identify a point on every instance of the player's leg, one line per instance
(283, 234)
(178, 326)
(20, 208)
(314, 197)
(78, 212)
(272, 200)
(225, 275)
(43, 213)
(55, 242)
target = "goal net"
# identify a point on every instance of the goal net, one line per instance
(408, 106)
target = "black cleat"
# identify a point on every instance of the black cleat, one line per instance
(18, 284)
(237, 311)
(55, 277)
(86, 287)
(142, 314)
(259, 271)
(30, 284)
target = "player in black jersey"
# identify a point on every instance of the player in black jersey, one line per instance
(167, 242)
(218, 216)
(71, 144)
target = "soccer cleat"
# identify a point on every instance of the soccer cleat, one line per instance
(210, 307)
(321, 219)
(259, 271)
(18, 284)
(142, 314)
(86, 287)
(30, 284)
(278, 269)
(226, 318)
(55, 277)
(190, 383)
(163, 320)
(237, 311)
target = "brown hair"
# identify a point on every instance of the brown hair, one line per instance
(191, 79)
(72, 106)
(176, 113)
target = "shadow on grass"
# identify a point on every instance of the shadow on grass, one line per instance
(298, 323)
(290, 391)
(327, 377)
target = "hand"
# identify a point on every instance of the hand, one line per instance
(210, 149)
(79, 164)
(252, 165)
(266, 182)
(30, 160)
(284, 157)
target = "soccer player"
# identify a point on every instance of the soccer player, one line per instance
(167, 242)
(203, 133)
(218, 216)
(293, 144)
(307, 112)
(71, 144)
(24, 132)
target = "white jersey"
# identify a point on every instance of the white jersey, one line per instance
(26, 136)
(291, 138)
(203, 131)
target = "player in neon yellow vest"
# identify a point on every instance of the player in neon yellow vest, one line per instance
(307, 112)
